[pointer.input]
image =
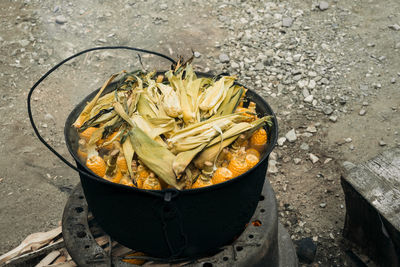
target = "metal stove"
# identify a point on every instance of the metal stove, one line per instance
(264, 242)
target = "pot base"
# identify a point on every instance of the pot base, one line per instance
(264, 241)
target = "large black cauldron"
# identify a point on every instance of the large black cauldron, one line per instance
(172, 223)
(168, 223)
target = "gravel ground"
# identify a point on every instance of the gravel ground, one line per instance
(330, 70)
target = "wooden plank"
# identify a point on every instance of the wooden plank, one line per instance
(29, 258)
(378, 181)
(49, 258)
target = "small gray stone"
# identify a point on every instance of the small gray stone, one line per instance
(270, 53)
(304, 146)
(234, 65)
(291, 136)
(324, 81)
(323, 5)
(312, 74)
(272, 166)
(395, 27)
(313, 158)
(281, 141)
(296, 161)
(302, 83)
(325, 46)
(306, 249)
(287, 22)
(312, 84)
(61, 19)
(259, 66)
(397, 45)
(163, 6)
(393, 80)
(297, 57)
(328, 110)
(196, 54)
(305, 92)
(297, 77)
(306, 134)
(348, 140)
(322, 205)
(362, 112)
(48, 117)
(224, 58)
(382, 143)
(24, 42)
(377, 86)
(348, 165)
(311, 129)
(309, 99)
(343, 100)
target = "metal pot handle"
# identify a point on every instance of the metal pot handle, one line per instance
(59, 65)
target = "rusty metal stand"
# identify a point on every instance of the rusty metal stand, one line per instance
(267, 244)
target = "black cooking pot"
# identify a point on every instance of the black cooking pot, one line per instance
(172, 223)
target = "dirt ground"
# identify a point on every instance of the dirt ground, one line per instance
(356, 41)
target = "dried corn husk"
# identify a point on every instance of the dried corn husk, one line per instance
(230, 102)
(194, 128)
(162, 125)
(199, 135)
(146, 107)
(193, 86)
(113, 139)
(104, 102)
(183, 159)
(128, 150)
(154, 127)
(187, 112)
(215, 95)
(240, 128)
(132, 102)
(85, 114)
(170, 102)
(156, 157)
(214, 147)
(98, 134)
(210, 153)
(102, 116)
